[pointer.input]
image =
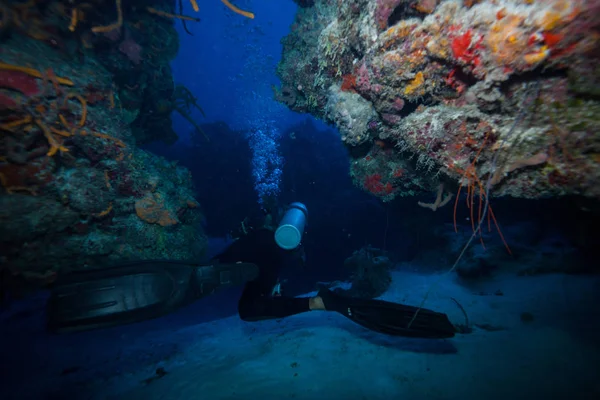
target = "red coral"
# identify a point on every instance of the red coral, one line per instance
(18, 82)
(349, 83)
(374, 185)
(551, 39)
(34, 175)
(460, 44)
(461, 48)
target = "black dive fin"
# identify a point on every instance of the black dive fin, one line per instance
(132, 292)
(390, 318)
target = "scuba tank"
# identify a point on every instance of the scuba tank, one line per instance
(288, 234)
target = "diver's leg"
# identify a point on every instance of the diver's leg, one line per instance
(135, 291)
(390, 318)
(254, 305)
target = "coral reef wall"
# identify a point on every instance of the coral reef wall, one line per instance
(81, 85)
(497, 96)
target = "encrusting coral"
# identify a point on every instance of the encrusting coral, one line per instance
(440, 84)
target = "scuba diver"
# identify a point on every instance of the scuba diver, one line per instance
(143, 290)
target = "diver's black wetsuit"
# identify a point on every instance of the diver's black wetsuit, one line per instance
(256, 302)
(137, 291)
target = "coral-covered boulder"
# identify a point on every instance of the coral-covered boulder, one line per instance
(489, 96)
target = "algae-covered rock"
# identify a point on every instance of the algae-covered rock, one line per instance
(78, 93)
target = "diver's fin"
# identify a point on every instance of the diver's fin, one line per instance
(390, 318)
(97, 298)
